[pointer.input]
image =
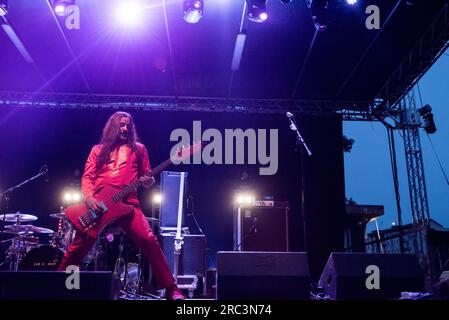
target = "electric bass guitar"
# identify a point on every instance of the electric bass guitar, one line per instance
(92, 223)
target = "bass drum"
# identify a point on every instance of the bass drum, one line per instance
(42, 258)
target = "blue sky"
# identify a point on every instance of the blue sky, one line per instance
(367, 166)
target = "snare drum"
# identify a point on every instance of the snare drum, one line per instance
(44, 257)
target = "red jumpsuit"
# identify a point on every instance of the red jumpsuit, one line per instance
(123, 167)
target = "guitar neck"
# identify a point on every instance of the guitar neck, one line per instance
(137, 183)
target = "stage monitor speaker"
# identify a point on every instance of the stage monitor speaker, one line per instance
(173, 188)
(192, 260)
(51, 285)
(261, 229)
(262, 275)
(362, 276)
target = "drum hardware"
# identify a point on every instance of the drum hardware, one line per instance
(14, 253)
(23, 241)
(131, 273)
(20, 245)
(65, 232)
(58, 215)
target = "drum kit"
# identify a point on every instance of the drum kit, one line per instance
(27, 250)
(36, 248)
(33, 248)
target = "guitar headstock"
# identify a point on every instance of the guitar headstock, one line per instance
(183, 153)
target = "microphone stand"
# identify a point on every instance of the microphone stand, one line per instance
(299, 139)
(5, 194)
(301, 144)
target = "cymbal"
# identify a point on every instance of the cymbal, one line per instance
(58, 215)
(18, 232)
(19, 228)
(42, 230)
(17, 217)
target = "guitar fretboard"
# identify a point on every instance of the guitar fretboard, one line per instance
(137, 183)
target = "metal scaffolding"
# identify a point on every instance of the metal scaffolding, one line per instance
(397, 102)
(350, 110)
(410, 126)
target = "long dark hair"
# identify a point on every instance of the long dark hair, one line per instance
(111, 137)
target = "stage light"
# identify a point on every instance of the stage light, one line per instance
(249, 199)
(70, 196)
(157, 198)
(428, 121)
(193, 10)
(67, 197)
(60, 6)
(351, 2)
(76, 196)
(239, 199)
(318, 9)
(244, 198)
(3, 7)
(257, 10)
(128, 13)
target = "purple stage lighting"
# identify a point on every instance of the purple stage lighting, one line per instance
(3, 7)
(193, 10)
(60, 9)
(257, 10)
(128, 13)
(60, 6)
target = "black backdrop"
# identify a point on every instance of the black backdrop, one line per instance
(62, 138)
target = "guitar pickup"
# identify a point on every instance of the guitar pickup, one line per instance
(103, 207)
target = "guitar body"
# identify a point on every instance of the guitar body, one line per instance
(92, 223)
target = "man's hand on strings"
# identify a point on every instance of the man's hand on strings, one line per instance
(147, 181)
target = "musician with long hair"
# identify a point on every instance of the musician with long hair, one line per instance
(116, 161)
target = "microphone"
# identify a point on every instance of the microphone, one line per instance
(44, 170)
(291, 118)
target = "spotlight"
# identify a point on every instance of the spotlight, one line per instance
(239, 199)
(60, 6)
(157, 198)
(257, 10)
(76, 196)
(427, 116)
(249, 199)
(128, 13)
(70, 196)
(351, 2)
(193, 10)
(3, 7)
(67, 197)
(318, 9)
(244, 198)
